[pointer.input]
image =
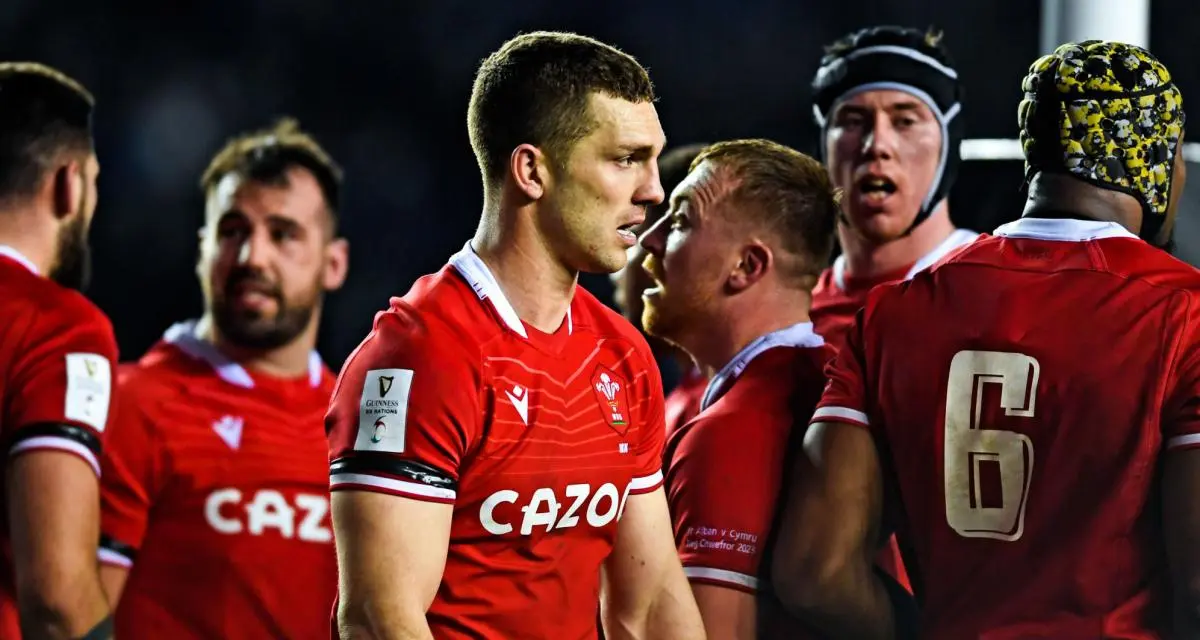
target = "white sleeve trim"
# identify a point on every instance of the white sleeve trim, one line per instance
(843, 413)
(61, 444)
(1184, 440)
(646, 482)
(391, 484)
(108, 556)
(722, 575)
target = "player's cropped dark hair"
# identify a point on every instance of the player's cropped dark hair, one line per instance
(43, 115)
(535, 89)
(673, 167)
(788, 192)
(266, 156)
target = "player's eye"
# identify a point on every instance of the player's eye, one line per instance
(679, 221)
(626, 161)
(851, 120)
(232, 232)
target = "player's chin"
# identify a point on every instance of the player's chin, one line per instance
(880, 226)
(657, 318)
(606, 261)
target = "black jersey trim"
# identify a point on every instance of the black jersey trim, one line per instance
(385, 465)
(118, 547)
(57, 430)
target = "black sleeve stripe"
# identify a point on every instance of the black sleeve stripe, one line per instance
(57, 430)
(382, 464)
(118, 547)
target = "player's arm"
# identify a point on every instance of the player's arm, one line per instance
(133, 471)
(831, 522)
(829, 532)
(402, 415)
(721, 527)
(62, 386)
(1180, 486)
(391, 553)
(645, 593)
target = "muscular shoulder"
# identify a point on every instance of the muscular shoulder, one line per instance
(1135, 259)
(56, 311)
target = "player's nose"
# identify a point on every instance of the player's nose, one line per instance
(651, 191)
(653, 240)
(880, 141)
(255, 250)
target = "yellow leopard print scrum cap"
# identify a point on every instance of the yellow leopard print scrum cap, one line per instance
(1106, 113)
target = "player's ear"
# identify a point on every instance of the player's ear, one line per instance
(67, 189)
(337, 264)
(755, 260)
(529, 171)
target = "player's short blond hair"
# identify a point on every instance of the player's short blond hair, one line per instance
(788, 193)
(266, 155)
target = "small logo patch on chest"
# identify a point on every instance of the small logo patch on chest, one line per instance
(229, 428)
(612, 396)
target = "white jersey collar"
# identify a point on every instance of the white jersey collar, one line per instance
(476, 273)
(797, 335)
(1062, 229)
(19, 257)
(953, 241)
(183, 336)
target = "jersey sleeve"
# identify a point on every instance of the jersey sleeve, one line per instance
(405, 411)
(652, 436)
(845, 396)
(62, 384)
(133, 465)
(722, 525)
(1181, 416)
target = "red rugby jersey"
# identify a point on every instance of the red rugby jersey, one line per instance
(215, 496)
(683, 403)
(1021, 394)
(57, 353)
(536, 439)
(838, 296)
(727, 466)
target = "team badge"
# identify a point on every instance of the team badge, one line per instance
(613, 398)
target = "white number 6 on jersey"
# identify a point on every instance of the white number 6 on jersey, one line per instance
(978, 461)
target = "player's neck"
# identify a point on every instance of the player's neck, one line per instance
(537, 285)
(747, 321)
(866, 259)
(289, 361)
(36, 242)
(1058, 196)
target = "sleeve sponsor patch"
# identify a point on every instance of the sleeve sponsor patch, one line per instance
(383, 410)
(89, 389)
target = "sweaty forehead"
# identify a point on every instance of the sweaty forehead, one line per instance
(705, 185)
(299, 198)
(621, 123)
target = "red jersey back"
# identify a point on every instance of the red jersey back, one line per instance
(839, 295)
(723, 526)
(536, 439)
(57, 354)
(1021, 394)
(215, 497)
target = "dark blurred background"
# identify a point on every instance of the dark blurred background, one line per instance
(384, 86)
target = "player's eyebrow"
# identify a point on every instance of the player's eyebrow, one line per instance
(678, 199)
